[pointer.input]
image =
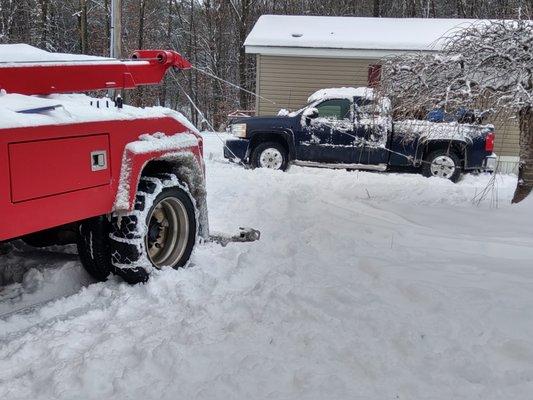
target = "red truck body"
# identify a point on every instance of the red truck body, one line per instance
(45, 172)
(56, 174)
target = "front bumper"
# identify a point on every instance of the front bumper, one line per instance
(236, 149)
(490, 163)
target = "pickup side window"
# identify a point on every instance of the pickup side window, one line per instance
(366, 108)
(335, 109)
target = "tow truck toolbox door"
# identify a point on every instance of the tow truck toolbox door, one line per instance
(48, 167)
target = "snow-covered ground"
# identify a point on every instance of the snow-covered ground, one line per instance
(363, 286)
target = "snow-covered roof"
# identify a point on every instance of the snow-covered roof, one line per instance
(11, 53)
(274, 34)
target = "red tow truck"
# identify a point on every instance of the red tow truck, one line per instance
(124, 183)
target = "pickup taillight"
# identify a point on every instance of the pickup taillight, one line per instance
(489, 142)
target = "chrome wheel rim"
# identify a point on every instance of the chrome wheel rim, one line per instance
(443, 167)
(168, 232)
(271, 158)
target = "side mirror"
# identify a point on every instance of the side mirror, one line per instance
(309, 114)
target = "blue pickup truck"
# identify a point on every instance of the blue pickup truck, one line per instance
(352, 128)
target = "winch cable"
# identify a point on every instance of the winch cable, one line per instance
(409, 158)
(232, 84)
(173, 74)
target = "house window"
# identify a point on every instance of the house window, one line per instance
(374, 75)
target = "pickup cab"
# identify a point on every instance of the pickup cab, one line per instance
(352, 128)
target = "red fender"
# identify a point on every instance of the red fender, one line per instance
(137, 154)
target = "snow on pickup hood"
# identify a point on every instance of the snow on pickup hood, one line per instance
(410, 130)
(263, 122)
(73, 108)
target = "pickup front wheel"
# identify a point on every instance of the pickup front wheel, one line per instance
(270, 155)
(443, 164)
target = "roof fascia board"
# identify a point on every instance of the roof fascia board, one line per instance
(327, 52)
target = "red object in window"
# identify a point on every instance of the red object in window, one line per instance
(489, 142)
(374, 75)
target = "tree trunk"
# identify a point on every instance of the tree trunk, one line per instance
(163, 87)
(107, 22)
(243, 61)
(377, 9)
(525, 171)
(142, 7)
(140, 44)
(83, 26)
(44, 23)
(192, 73)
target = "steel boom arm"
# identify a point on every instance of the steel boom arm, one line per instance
(146, 67)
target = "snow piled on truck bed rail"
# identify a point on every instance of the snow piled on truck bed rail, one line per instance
(410, 130)
(363, 285)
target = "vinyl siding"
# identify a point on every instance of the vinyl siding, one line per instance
(288, 82)
(507, 137)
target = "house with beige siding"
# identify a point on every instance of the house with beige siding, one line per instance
(297, 55)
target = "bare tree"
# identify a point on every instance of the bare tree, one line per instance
(83, 25)
(210, 33)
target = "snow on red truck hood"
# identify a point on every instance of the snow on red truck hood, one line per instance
(74, 108)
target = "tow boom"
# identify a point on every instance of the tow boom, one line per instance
(146, 67)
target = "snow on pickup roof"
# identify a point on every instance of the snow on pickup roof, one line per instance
(24, 53)
(352, 32)
(341, 93)
(349, 93)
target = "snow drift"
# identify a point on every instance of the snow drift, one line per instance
(363, 286)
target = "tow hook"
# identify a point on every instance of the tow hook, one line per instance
(244, 235)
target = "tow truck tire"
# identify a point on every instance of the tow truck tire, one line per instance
(442, 163)
(270, 155)
(161, 231)
(93, 247)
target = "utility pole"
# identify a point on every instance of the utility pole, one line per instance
(115, 46)
(115, 49)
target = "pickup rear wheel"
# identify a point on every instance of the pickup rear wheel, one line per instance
(270, 155)
(442, 163)
(160, 232)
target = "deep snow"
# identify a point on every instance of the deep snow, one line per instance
(363, 286)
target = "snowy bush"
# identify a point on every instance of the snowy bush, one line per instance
(488, 64)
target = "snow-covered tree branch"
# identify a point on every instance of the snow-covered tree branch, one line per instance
(488, 64)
